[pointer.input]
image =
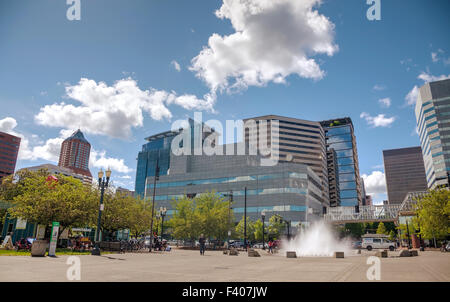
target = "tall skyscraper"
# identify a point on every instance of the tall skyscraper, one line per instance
(405, 172)
(300, 141)
(339, 135)
(75, 152)
(433, 124)
(158, 149)
(9, 149)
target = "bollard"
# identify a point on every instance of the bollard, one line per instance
(291, 254)
(381, 254)
(233, 252)
(404, 253)
(338, 254)
(253, 253)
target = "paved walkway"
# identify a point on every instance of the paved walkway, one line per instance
(181, 265)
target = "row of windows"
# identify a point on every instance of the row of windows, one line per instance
(298, 146)
(338, 131)
(16, 146)
(230, 179)
(8, 149)
(255, 192)
(339, 138)
(296, 129)
(284, 208)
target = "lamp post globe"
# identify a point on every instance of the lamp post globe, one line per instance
(102, 184)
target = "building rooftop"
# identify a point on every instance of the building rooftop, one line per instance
(77, 135)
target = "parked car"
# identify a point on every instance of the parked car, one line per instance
(377, 241)
(259, 245)
(236, 244)
(357, 244)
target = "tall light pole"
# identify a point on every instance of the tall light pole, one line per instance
(230, 201)
(245, 218)
(288, 223)
(409, 239)
(263, 217)
(156, 177)
(162, 213)
(102, 185)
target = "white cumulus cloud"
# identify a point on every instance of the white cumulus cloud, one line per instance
(385, 102)
(375, 183)
(176, 65)
(115, 110)
(98, 159)
(51, 148)
(272, 40)
(411, 97)
(377, 121)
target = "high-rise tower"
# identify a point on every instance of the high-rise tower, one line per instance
(75, 151)
(433, 125)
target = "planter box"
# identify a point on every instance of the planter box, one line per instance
(291, 255)
(382, 254)
(338, 254)
(39, 248)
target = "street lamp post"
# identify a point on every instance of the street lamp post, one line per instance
(245, 218)
(407, 230)
(263, 217)
(162, 213)
(156, 177)
(288, 223)
(230, 201)
(102, 184)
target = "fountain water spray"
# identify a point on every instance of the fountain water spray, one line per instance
(317, 240)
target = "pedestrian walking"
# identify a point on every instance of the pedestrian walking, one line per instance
(270, 246)
(202, 242)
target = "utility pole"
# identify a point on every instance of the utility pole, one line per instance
(245, 218)
(153, 200)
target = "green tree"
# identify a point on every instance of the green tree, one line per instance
(392, 235)
(250, 229)
(355, 230)
(184, 222)
(381, 229)
(39, 201)
(276, 226)
(433, 212)
(212, 214)
(258, 230)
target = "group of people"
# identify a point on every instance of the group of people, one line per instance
(272, 245)
(161, 245)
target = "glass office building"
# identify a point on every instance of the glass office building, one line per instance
(288, 189)
(339, 135)
(158, 149)
(433, 124)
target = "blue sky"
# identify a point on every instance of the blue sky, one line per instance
(133, 47)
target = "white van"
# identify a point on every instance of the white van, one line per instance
(377, 241)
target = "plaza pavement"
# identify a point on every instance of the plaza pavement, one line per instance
(184, 265)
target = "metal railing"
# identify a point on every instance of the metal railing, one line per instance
(389, 212)
(366, 213)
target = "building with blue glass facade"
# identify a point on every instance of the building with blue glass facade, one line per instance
(433, 124)
(158, 149)
(288, 189)
(339, 135)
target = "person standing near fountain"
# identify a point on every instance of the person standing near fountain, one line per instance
(270, 246)
(202, 242)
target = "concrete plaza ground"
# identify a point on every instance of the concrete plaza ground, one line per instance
(183, 265)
